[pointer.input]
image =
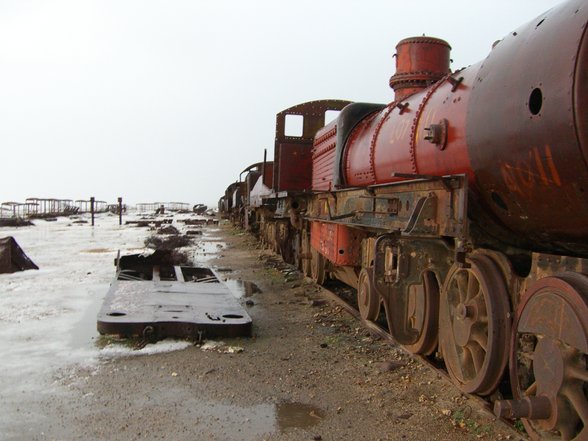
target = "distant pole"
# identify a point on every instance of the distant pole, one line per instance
(120, 211)
(264, 164)
(92, 209)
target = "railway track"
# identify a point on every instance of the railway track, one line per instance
(341, 295)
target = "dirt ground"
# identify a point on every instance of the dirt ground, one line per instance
(310, 372)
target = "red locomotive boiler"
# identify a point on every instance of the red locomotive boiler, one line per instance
(459, 211)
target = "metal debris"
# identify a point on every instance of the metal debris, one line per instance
(12, 257)
(152, 298)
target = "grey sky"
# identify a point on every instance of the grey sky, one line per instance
(170, 100)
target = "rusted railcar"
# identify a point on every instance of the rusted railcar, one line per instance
(230, 205)
(459, 211)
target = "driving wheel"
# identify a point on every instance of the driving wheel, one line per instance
(474, 325)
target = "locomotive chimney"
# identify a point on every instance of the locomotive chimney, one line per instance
(420, 61)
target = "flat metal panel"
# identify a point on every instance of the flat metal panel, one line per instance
(295, 167)
(172, 308)
(338, 243)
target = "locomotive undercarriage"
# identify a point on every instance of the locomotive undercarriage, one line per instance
(441, 295)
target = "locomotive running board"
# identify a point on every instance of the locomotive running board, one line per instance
(156, 301)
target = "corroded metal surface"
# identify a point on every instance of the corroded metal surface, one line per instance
(158, 301)
(529, 151)
(457, 198)
(293, 154)
(474, 325)
(338, 243)
(368, 301)
(516, 129)
(548, 361)
(420, 61)
(423, 314)
(317, 267)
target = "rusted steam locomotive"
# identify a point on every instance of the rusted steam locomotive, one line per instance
(459, 210)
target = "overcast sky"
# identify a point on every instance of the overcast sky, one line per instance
(170, 100)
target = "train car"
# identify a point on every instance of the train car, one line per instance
(230, 205)
(459, 211)
(255, 188)
(279, 209)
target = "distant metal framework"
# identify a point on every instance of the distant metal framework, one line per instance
(84, 206)
(169, 206)
(16, 209)
(47, 207)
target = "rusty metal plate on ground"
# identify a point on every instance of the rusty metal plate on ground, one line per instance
(158, 301)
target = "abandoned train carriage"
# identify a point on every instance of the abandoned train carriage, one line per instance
(461, 208)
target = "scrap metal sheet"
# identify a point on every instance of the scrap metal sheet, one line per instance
(173, 308)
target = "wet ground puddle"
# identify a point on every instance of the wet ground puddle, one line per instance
(292, 415)
(257, 421)
(242, 288)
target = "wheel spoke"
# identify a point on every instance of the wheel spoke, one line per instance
(461, 279)
(578, 400)
(412, 323)
(473, 288)
(465, 357)
(477, 354)
(567, 432)
(483, 322)
(478, 300)
(531, 390)
(480, 337)
(411, 309)
(453, 354)
(578, 372)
